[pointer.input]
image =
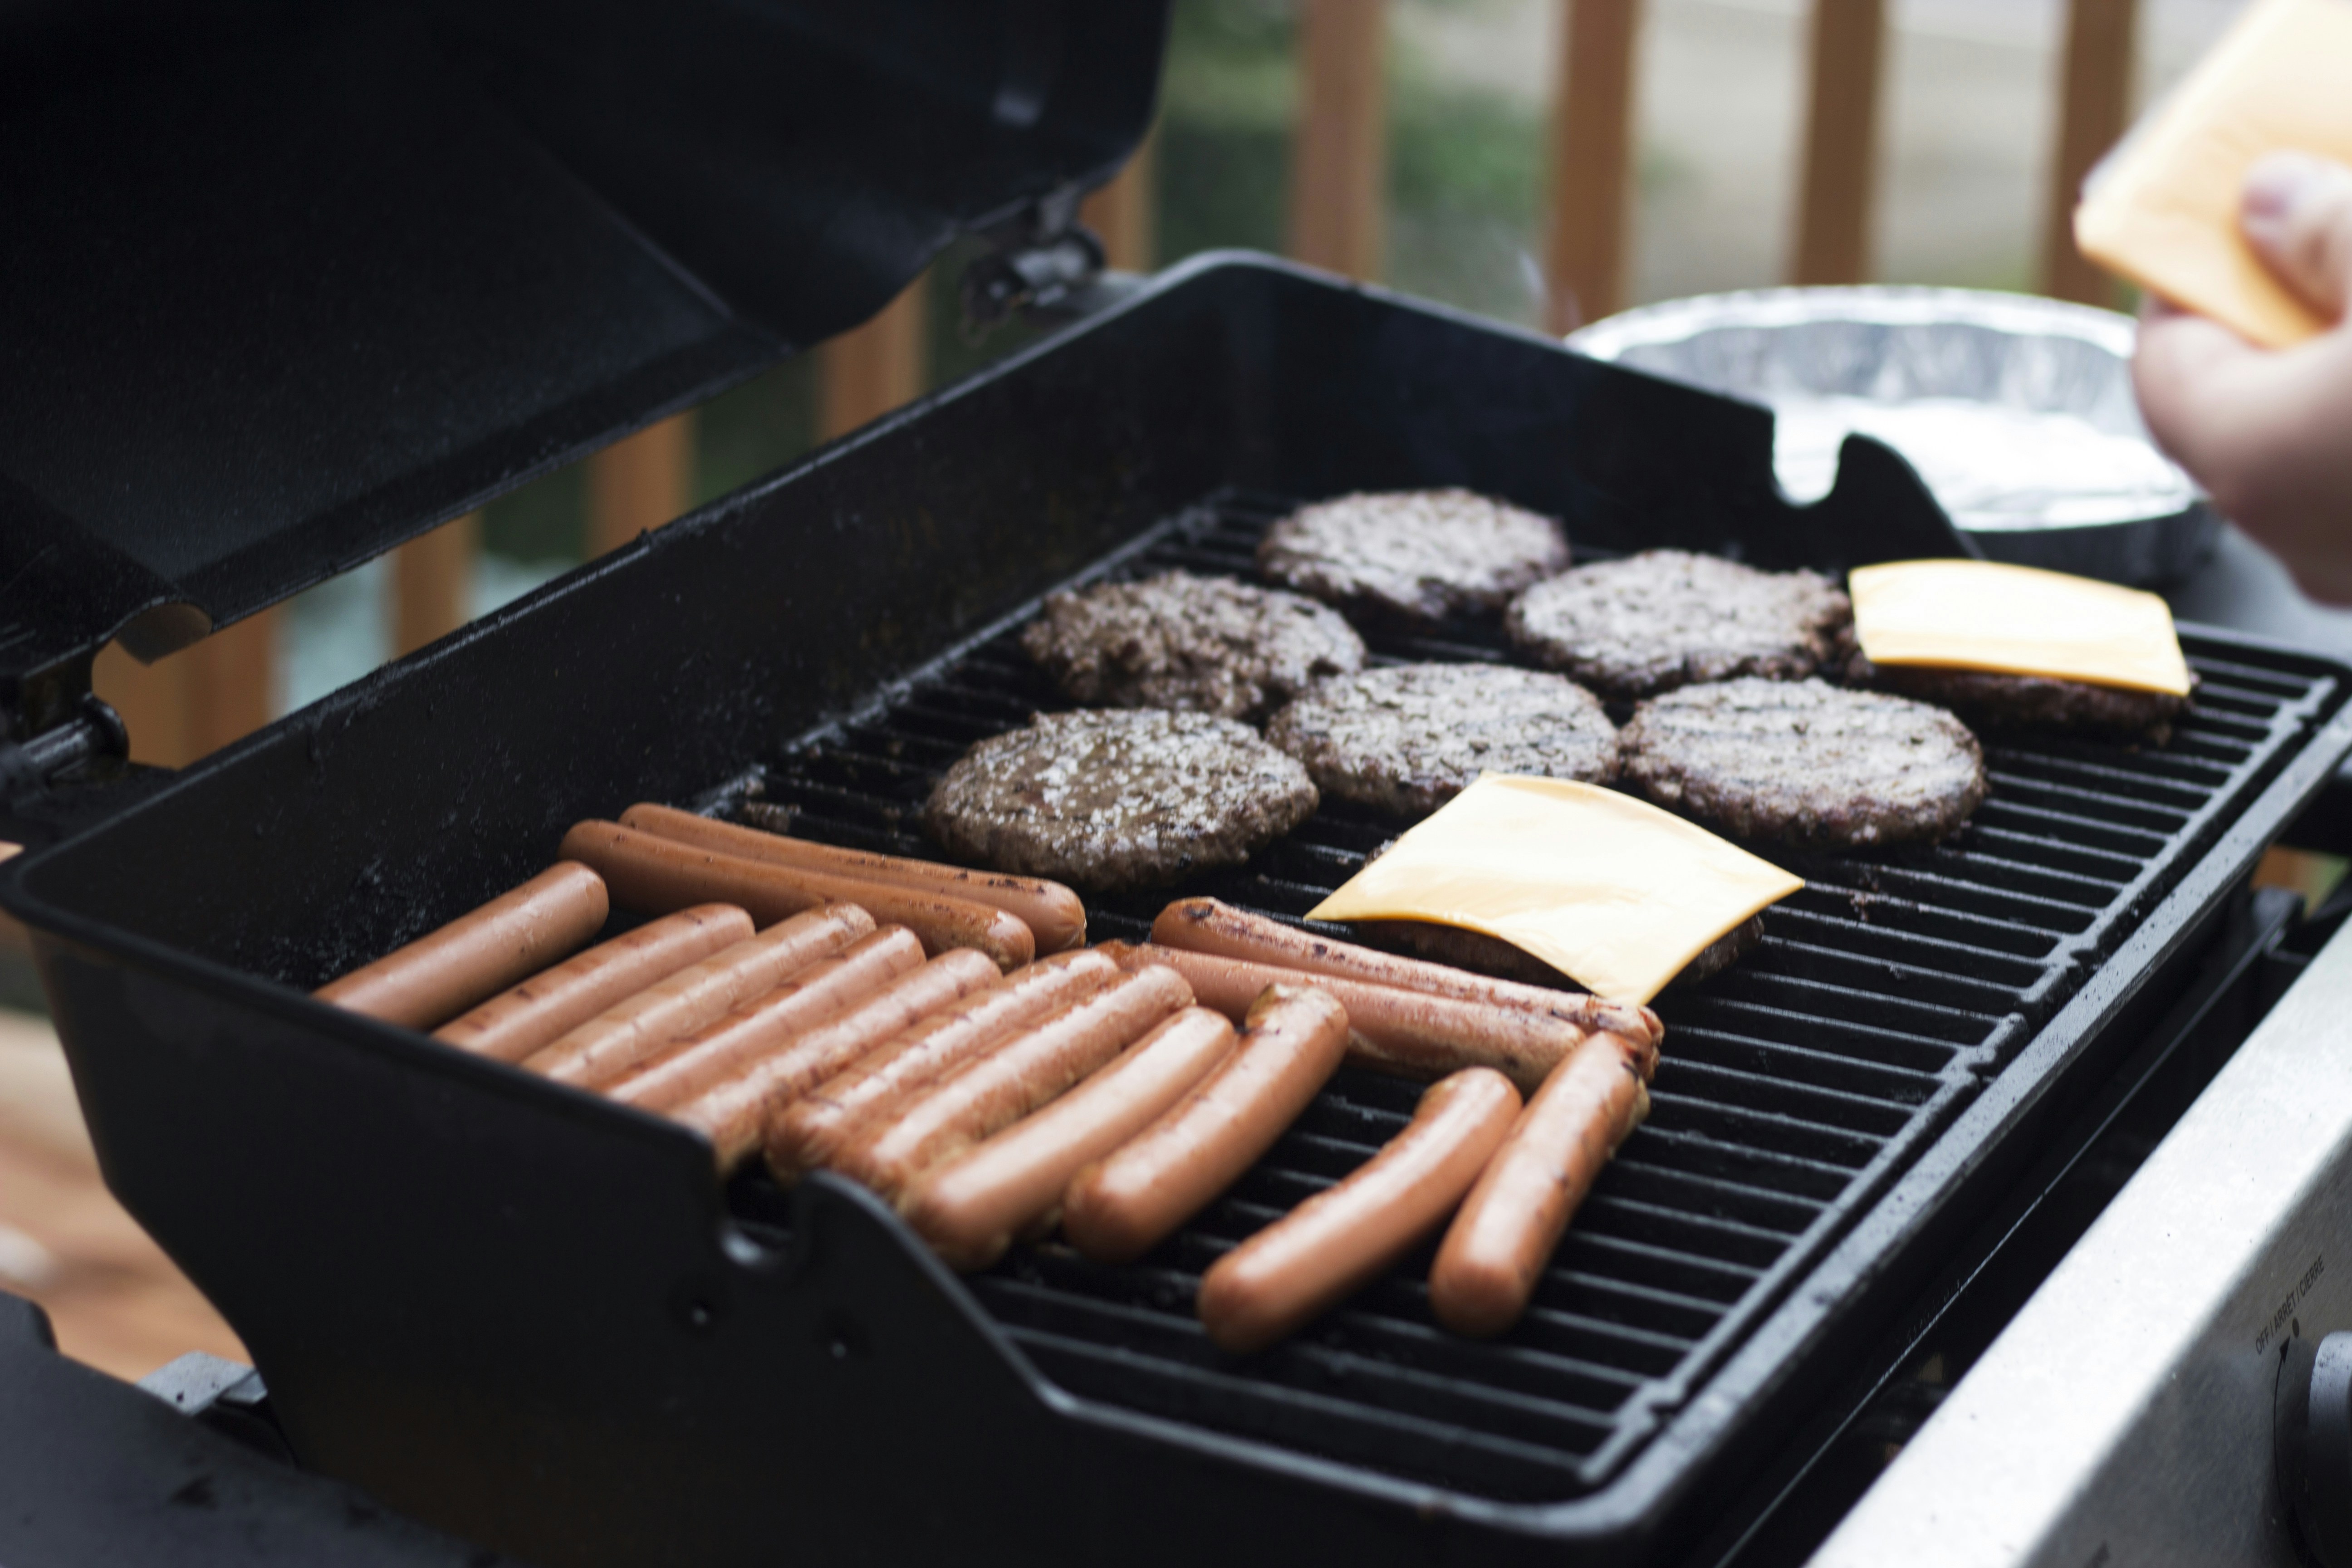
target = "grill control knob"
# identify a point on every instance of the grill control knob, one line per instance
(2311, 1431)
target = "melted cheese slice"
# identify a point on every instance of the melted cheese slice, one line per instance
(2164, 213)
(2016, 620)
(1609, 891)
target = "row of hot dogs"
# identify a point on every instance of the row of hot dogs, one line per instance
(888, 1020)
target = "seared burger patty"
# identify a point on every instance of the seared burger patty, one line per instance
(1113, 799)
(1805, 763)
(1410, 738)
(1991, 700)
(1665, 619)
(1202, 645)
(1412, 555)
(1484, 954)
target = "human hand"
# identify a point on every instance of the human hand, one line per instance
(2269, 433)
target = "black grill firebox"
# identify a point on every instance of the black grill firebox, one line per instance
(1790, 1089)
(536, 1320)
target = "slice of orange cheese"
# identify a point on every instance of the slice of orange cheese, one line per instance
(2016, 620)
(1609, 891)
(2164, 213)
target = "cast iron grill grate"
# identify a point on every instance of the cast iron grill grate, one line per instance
(1792, 1088)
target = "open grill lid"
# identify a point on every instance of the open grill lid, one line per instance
(285, 285)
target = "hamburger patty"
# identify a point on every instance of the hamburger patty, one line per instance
(1665, 619)
(1410, 738)
(1805, 763)
(1111, 798)
(1991, 700)
(1202, 645)
(1414, 556)
(1484, 954)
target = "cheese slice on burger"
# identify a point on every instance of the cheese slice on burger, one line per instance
(1608, 889)
(2016, 620)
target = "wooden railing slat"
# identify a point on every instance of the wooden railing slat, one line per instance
(869, 370)
(640, 483)
(1338, 153)
(2094, 104)
(1833, 212)
(1124, 212)
(433, 584)
(1592, 162)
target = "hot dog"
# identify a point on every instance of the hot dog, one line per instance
(1292, 1040)
(971, 1206)
(513, 1024)
(659, 875)
(1010, 1082)
(600, 1051)
(478, 955)
(1397, 1031)
(1206, 925)
(730, 1044)
(1497, 1246)
(734, 1115)
(1336, 1242)
(1051, 912)
(807, 1133)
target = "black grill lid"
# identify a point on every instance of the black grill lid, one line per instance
(284, 285)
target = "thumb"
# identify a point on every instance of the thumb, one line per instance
(2296, 212)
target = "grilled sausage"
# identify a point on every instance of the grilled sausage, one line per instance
(1010, 1082)
(734, 1115)
(1337, 1241)
(971, 1206)
(513, 1024)
(659, 875)
(1293, 1038)
(605, 1047)
(730, 1044)
(1206, 925)
(1051, 912)
(1395, 1031)
(1497, 1246)
(807, 1133)
(478, 955)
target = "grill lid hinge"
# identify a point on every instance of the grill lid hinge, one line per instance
(1038, 258)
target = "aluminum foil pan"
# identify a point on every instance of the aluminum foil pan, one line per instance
(2017, 412)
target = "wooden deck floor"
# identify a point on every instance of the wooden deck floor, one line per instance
(116, 1300)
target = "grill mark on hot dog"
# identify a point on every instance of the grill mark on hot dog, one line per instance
(1052, 913)
(999, 1088)
(807, 1133)
(659, 875)
(1394, 1030)
(1337, 1241)
(600, 1051)
(518, 1021)
(1292, 1041)
(1497, 1247)
(1209, 926)
(734, 1113)
(478, 954)
(969, 1206)
(730, 1044)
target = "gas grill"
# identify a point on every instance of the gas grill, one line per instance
(536, 1320)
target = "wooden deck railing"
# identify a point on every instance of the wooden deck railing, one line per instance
(221, 689)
